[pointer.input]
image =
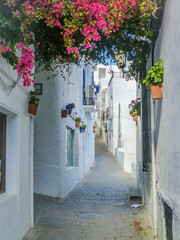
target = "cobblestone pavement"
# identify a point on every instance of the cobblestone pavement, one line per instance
(99, 208)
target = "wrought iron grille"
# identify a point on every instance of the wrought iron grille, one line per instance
(88, 101)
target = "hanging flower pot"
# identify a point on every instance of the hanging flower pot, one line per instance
(69, 110)
(77, 121)
(135, 107)
(81, 129)
(135, 118)
(33, 104)
(70, 107)
(64, 113)
(154, 79)
(33, 108)
(156, 91)
(77, 124)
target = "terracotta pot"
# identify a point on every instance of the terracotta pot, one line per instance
(33, 108)
(77, 124)
(156, 91)
(83, 130)
(139, 111)
(135, 118)
(64, 113)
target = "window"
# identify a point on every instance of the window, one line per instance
(70, 147)
(2, 151)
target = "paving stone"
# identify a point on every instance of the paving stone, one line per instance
(105, 191)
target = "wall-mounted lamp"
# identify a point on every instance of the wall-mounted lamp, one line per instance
(120, 58)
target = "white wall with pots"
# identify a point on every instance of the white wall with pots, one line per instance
(52, 176)
(162, 181)
(16, 203)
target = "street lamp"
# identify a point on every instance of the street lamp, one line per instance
(120, 58)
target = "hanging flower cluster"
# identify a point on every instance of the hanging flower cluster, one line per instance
(133, 106)
(25, 65)
(90, 18)
(3, 47)
(80, 23)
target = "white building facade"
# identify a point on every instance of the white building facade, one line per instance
(63, 155)
(159, 133)
(16, 157)
(102, 76)
(115, 125)
(121, 127)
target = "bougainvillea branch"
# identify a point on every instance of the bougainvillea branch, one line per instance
(69, 30)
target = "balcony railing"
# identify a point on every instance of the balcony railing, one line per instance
(88, 101)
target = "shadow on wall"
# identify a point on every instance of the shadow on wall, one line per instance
(158, 110)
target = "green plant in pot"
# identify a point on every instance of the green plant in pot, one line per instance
(154, 79)
(77, 121)
(82, 127)
(33, 104)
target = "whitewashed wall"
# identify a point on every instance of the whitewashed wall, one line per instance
(16, 205)
(166, 131)
(122, 92)
(52, 176)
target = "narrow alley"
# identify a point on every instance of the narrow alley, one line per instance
(99, 208)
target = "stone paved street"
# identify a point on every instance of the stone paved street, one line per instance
(99, 208)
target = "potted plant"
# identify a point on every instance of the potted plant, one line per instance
(82, 127)
(154, 79)
(33, 104)
(69, 107)
(77, 121)
(134, 107)
(64, 113)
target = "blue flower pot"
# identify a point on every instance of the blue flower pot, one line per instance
(81, 129)
(69, 109)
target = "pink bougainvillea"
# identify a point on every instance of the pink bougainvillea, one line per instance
(25, 65)
(3, 47)
(91, 19)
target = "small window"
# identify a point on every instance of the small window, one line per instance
(70, 147)
(2, 152)
(168, 219)
(102, 73)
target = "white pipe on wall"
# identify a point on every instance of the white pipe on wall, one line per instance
(154, 190)
(31, 169)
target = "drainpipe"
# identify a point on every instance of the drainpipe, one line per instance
(31, 171)
(154, 190)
